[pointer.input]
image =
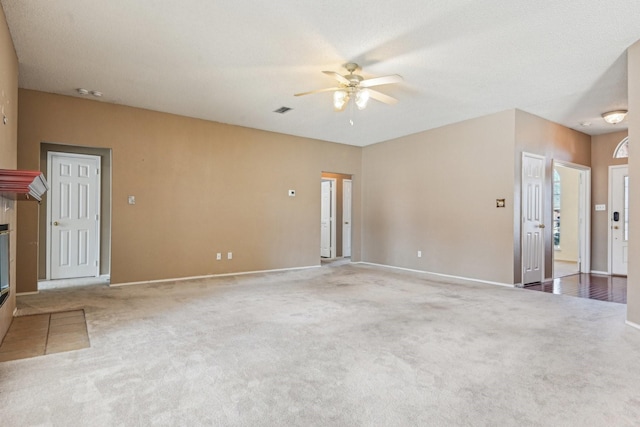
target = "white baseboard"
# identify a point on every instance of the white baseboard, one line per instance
(632, 324)
(19, 294)
(604, 273)
(210, 276)
(447, 276)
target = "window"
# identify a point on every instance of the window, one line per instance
(622, 150)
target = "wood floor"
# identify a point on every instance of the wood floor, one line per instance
(593, 286)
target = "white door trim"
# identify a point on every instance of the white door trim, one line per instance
(609, 214)
(585, 213)
(50, 156)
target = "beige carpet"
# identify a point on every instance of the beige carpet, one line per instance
(344, 346)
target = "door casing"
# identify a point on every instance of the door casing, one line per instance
(584, 209)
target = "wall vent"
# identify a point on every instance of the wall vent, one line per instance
(282, 110)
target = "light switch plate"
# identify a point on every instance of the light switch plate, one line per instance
(132, 200)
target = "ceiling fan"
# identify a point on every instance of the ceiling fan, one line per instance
(354, 85)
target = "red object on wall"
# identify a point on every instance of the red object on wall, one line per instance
(30, 185)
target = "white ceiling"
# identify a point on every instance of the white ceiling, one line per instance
(237, 61)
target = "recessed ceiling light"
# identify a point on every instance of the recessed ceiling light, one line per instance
(82, 91)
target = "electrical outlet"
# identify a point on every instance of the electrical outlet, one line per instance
(131, 200)
(229, 255)
(419, 254)
(218, 256)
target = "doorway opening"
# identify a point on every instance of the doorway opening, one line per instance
(335, 217)
(571, 220)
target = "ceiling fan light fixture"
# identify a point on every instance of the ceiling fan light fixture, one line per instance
(362, 98)
(340, 99)
(614, 117)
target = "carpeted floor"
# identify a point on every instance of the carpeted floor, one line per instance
(346, 346)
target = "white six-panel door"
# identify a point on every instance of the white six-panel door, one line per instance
(325, 219)
(619, 224)
(346, 217)
(74, 222)
(533, 169)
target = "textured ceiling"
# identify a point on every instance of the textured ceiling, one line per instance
(238, 61)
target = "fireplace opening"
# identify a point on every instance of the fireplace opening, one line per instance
(4, 263)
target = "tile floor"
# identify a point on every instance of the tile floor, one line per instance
(40, 334)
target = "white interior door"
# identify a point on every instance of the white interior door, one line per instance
(346, 217)
(325, 220)
(619, 218)
(533, 169)
(74, 222)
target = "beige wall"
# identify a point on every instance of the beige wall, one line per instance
(436, 191)
(602, 148)
(633, 281)
(569, 214)
(201, 188)
(555, 142)
(8, 144)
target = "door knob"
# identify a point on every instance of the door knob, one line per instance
(55, 223)
(615, 227)
(541, 225)
(347, 222)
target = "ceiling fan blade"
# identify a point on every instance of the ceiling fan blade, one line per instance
(329, 89)
(384, 80)
(379, 96)
(338, 77)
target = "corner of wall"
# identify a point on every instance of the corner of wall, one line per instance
(8, 156)
(633, 278)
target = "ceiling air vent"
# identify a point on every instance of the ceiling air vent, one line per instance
(282, 110)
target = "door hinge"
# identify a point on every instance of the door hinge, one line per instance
(97, 171)
(96, 262)
(97, 217)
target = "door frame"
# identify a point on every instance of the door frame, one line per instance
(332, 248)
(609, 213)
(584, 215)
(49, 231)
